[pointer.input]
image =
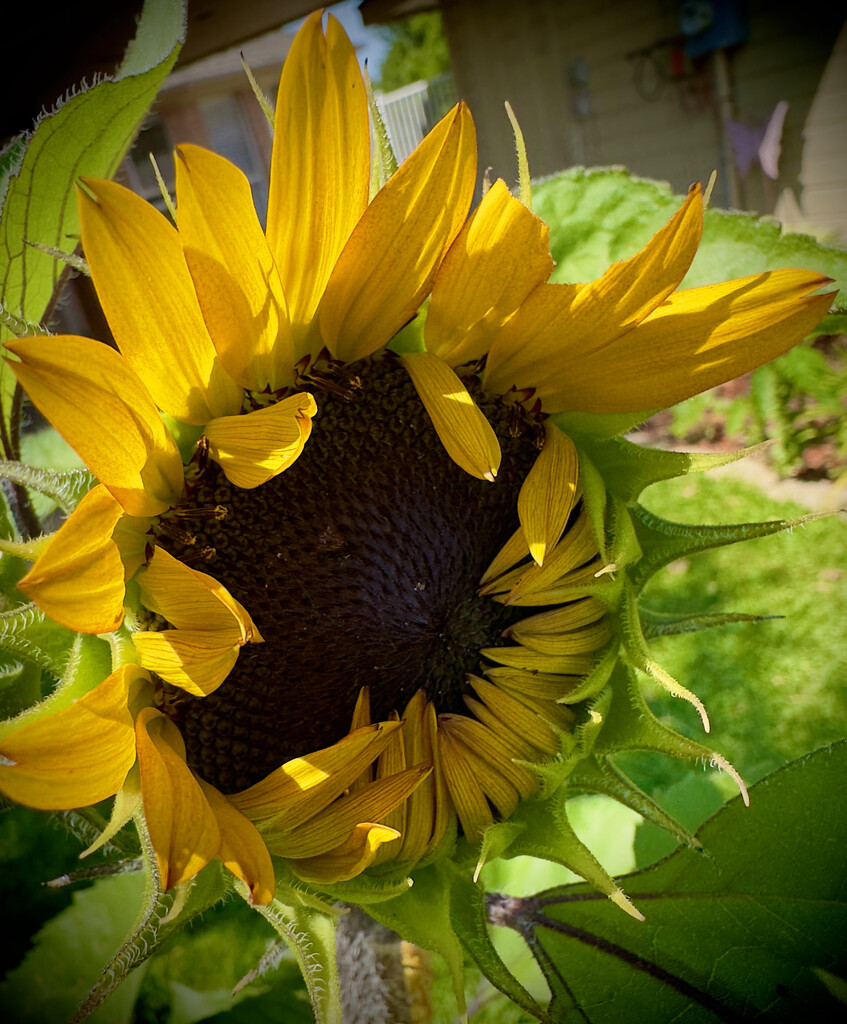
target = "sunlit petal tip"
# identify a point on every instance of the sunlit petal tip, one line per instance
(548, 493)
(78, 581)
(466, 434)
(256, 447)
(349, 858)
(74, 757)
(94, 399)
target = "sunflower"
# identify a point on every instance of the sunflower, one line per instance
(339, 543)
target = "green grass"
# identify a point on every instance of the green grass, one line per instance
(777, 689)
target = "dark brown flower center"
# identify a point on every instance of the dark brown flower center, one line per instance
(359, 565)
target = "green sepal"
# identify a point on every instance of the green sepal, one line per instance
(637, 654)
(628, 468)
(663, 541)
(631, 725)
(162, 914)
(600, 424)
(592, 684)
(469, 921)
(79, 660)
(310, 935)
(655, 624)
(64, 488)
(423, 916)
(599, 775)
(594, 497)
(548, 834)
(384, 162)
(369, 888)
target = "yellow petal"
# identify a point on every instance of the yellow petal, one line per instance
(77, 756)
(535, 661)
(242, 849)
(390, 761)
(577, 547)
(196, 661)
(465, 791)
(498, 257)
(234, 274)
(193, 600)
(183, 828)
(320, 166)
(515, 717)
(697, 339)
(332, 826)
(145, 289)
(349, 858)
(388, 265)
(100, 407)
(306, 785)
(559, 323)
(466, 434)
(210, 624)
(514, 550)
(481, 744)
(79, 579)
(548, 494)
(254, 448)
(575, 641)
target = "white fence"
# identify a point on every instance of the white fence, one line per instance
(410, 112)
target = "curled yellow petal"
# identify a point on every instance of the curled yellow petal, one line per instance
(549, 493)
(349, 858)
(78, 581)
(196, 661)
(100, 407)
(390, 260)
(183, 827)
(242, 849)
(234, 273)
(466, 434)
(211, 626)
(74, 757)
(145, 289)
(193, 600)
(498, 257)
(254, 448)
(320, 165)
(326, 830)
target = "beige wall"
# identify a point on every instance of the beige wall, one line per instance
(526, 51)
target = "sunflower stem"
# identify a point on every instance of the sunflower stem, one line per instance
(370, 972)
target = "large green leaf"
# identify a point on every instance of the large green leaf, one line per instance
(69, 954)
(88, 134)
(602, 215)
(747, 931)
